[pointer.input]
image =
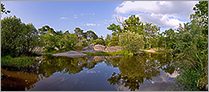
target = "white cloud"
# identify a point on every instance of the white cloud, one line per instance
(163, 20)
(158, 7)
(91, 24)
(128, 6)
(170, 22)
(75, 16)
(162, 13)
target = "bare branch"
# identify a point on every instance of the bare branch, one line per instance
(119, 20)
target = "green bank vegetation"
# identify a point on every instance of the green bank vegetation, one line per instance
(19, 62)
(117, 53)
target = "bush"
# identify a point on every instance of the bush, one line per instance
(131, 41)
(99, 41)
(113, 41)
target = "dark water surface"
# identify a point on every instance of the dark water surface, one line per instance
(102, 73)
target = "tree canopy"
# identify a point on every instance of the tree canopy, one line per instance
(17, 38)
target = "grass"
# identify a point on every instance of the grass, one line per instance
(18, 62)
(121, 53)
(118, 53)
(97, 53)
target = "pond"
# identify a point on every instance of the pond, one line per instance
(153, 72)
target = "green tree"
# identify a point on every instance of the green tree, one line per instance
(49, 42)
(170, 39)
(114, 40)
(81, 37)
(69, 41)
(67, 32)
(53, 41)
(31, 38)
(201, 16)
(48, 38)
(115, 28)
(151, 35)
(78, 32)
(131, 41)
(99, 41)
(90, 35)
(17, 37)
(133, 24)
(46, 29)
(108, 40)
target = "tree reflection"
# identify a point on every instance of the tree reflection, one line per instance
(51, 65)
(134, 70)
(64, 64)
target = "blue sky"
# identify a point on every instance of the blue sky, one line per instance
(96, 16)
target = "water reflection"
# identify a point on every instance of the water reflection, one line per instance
(17, 80)
(135, 70)
(93, 79)
(103, 73)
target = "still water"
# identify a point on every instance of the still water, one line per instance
(99, 73)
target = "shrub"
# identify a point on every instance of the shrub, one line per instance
(99, 41)
(131, 41)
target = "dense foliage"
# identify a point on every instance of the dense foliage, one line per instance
(57, 41)
(131, 41)
(16, 37)
(136, 34)
(192, 49)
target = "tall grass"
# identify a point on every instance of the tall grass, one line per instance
(18, 62)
